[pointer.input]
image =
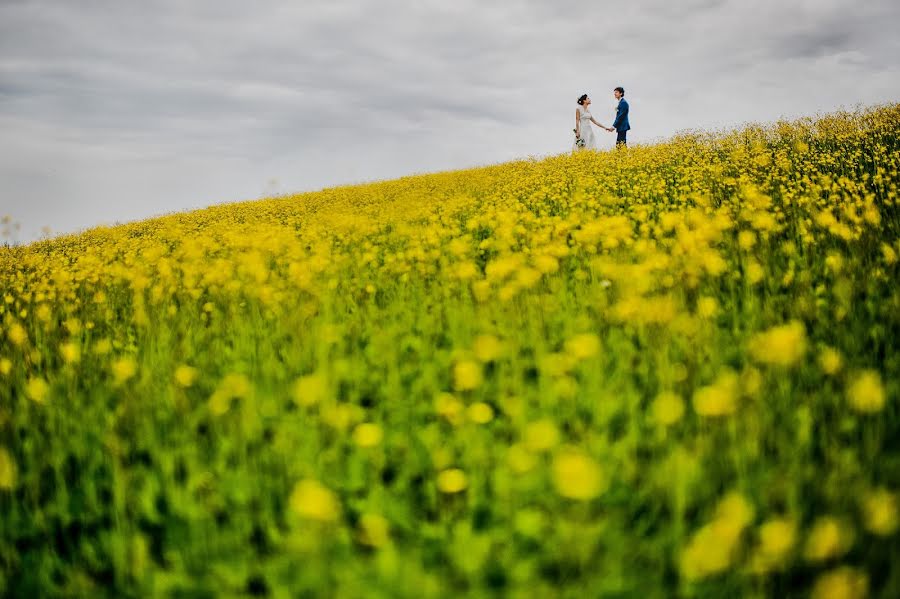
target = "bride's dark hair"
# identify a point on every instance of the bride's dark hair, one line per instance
(582, 98)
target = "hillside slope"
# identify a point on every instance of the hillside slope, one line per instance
(669, 369)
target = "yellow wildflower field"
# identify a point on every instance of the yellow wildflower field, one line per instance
(663, 370)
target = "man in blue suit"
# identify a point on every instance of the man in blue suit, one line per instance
(621, 123)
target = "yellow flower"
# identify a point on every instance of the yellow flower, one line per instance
(310, 499)
(735, 509)
(783, 345)
(232, 386)
(546, 264)
(123, 369)
(5, 366)
(37, 389)
(880, 512)
(452, 480)
(487, 348)
(449, 407)
(7, 470)
(520, 460)
(583, 346)
(102, 347)
(828, 538)
(719, 398)
(529, 523)
(776, 539)
(466, 270)
(367, 434)
(751, 381)
(339, 416)
(185, 375)
(466, 375)
(73, 325)
(310, 389)
(835, 262)
(707, 307)
(755, 272)
(842, 583)
(707, 553)
(712, 548)
(70, 352)
(480, 413)
(44, 312)
(746, 239)
(577, 476)
(667, 408)
(17, 334)
(541, 435)
(374, 530)
(866, 393)
(830, 360)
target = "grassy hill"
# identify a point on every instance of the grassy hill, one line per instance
(666, 370)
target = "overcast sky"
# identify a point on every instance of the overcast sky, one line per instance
(114, 110)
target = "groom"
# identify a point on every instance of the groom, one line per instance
(621, 123)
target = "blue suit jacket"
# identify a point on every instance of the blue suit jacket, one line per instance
(621, 122)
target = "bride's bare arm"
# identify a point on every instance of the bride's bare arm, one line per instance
(599, 125)
(577, 124)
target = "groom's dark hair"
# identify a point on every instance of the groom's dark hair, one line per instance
(621, 90)
(582, 98)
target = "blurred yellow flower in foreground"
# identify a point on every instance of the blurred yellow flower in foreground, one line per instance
(37, 389)
(541, 435)
(712, 548)
(480, 412)
(374, 530)
(232, 386)
(70, 353)
(776, 539)
(842, 583)
(830, 360)
(123, 369)
(310, 389)
(7, 470)
(102, 347)
(583, 346)
(310, 499)
(449, 407)
(667, 408)
(520, 459)
(17, 334)
(367, 434)
(783, 345)
(185, 375)
(466, 375)
(865, 392)
(452, 480)
(707, 307)
(880, 512)
(487, 348)
(577, 476)
(828, 538)
(719, 398)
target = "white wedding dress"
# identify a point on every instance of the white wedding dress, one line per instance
(587, 130)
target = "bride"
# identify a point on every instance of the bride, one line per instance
(583, 120)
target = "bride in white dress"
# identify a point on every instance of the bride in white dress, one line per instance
(583, 120)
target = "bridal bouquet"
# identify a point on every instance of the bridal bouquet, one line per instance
(579, 142)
